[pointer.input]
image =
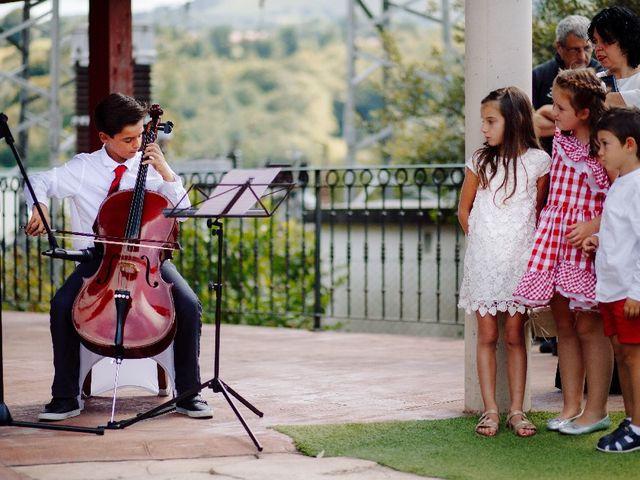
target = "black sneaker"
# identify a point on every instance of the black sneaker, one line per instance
(195, 407)
(625, 441)
(607, 438)
(59, 409)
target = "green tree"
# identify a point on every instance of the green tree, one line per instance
(220, 38)
(263, 78)
(193, 48)
(263, 48)
(289, 39)
(426, 116)
(9, 21)
(424, 106)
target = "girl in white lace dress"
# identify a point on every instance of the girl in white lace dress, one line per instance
(504, 189)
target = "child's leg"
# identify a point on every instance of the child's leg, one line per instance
(517, 373)
(486, 363)
(569, 357)
(597, 357)
(631, 366)
(625, 339)
(516, 359)
(623, 376)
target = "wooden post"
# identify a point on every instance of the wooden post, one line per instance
(110, 54)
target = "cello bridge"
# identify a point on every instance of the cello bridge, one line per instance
(128, 268)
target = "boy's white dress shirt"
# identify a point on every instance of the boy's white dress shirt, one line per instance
(85, 181)
(618, 255)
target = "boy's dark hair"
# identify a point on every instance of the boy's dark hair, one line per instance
(622, 122)
(622, 25)
(116, 111)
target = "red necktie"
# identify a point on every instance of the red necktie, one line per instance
(120, 169)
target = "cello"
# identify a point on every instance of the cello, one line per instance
(125, 310)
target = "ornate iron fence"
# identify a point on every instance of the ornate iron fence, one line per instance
(366, 244)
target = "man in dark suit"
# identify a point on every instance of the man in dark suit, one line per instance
(573, 50)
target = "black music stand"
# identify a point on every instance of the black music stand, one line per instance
(234, 197)
(5, 416)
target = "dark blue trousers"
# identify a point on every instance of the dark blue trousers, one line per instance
(66, 341)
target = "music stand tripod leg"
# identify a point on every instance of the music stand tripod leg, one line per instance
(240, 398)
(217, 385)
(224, 392)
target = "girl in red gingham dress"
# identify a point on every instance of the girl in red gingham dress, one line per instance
(559, 274)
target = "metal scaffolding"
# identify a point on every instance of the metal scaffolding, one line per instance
(41, 15)
(361, 65)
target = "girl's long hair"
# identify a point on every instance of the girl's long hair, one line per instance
(585, 90)
(519, 135)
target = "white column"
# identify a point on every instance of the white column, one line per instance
(497, 54)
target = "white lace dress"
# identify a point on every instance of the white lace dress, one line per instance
(500, 237)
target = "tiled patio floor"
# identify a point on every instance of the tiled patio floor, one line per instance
(293, 376)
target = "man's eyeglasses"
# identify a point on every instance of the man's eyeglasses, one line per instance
(578, 50)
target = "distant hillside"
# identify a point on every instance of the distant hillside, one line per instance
(247, 13)
(269, 83)
(270, 102)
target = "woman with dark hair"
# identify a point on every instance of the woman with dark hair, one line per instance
(615, 34)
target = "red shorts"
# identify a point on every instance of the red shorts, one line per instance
(627, 330)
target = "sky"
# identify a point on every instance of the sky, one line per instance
(81, 7)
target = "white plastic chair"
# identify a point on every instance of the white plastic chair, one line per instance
(155, 374)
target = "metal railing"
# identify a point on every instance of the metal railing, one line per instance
(378, 244)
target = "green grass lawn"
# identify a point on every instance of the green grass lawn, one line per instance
(450, 449)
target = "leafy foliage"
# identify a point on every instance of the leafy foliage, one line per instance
(269, 92)
(422, 102)
(279, 94)
(289, 40)
(427, 116)
(219, 37)
(268, 275)
(29, 279)
(271, 97)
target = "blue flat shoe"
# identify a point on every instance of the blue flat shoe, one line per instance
(574, 429)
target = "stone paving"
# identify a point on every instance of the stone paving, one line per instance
(293, 376)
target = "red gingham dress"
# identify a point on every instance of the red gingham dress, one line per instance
(578, 185)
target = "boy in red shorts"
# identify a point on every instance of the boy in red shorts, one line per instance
(618, 265)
